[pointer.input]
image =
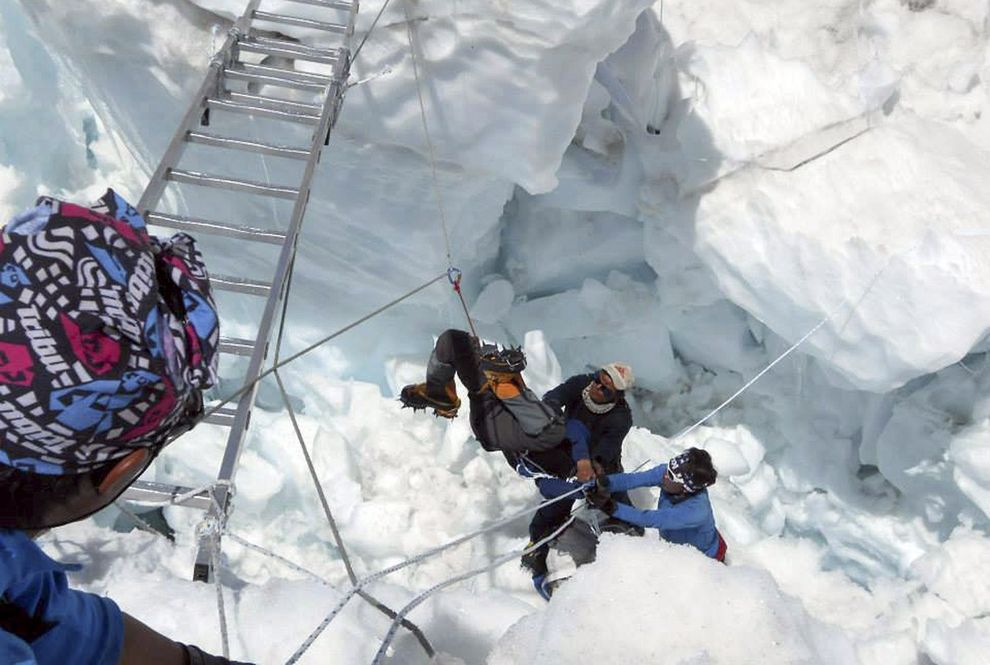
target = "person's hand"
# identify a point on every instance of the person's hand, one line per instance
(196, 656)
(600, 497)
(585, 471)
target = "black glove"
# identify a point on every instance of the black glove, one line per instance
(600, 497)
(195, 656)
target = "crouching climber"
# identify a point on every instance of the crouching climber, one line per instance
(576, 546)
(684, 512)
(109, 337)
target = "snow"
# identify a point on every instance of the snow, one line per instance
(689, 187)
(704, 613)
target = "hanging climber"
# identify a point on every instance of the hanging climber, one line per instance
(684, 512)
(505, 415)
(598, 419)
(109, 337)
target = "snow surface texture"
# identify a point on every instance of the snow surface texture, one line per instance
(686, 186)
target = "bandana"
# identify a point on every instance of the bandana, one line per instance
(592, 405)
(106, 335)
(679, 474)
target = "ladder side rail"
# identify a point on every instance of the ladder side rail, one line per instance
(156, 186)
(352, 24)
(238, 431)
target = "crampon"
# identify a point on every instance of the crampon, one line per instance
(416, 397)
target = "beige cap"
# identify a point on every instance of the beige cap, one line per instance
(621, 375)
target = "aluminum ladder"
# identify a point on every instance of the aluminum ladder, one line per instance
(231, 87)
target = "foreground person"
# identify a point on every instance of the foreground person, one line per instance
(684, 512)
(109, 335)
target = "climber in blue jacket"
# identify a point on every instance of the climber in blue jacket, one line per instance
(684, 512)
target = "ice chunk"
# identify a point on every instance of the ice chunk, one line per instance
(727, 457)
(734, 615)
(919, 292)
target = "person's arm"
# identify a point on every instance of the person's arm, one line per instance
(566, 392)
(551, 488)
(680, 516)
(579, 436)
(144, 646)
(620, 482)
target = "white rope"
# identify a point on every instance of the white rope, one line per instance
(277, 557)
(426, 133)
(282, 363)
(374, 24)
(210, 528)
(415, 602)
(221, 611)
(756, 378)
(413, 560)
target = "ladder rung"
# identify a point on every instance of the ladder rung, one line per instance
(238, 74)
(240, 285)
(288, 50)
(285, 19)
(280, 72)
(262, 111)
(223, 182)
(236, 346)
(342, 5)
(263, 37)
(223, 416)
(141, 491)
(275, 103)
(250, 146)
(215, 228)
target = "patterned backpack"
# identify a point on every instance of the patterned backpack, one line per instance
(107, 336)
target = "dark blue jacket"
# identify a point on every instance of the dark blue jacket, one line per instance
(592, 436)
(42, 620)
(684, 521)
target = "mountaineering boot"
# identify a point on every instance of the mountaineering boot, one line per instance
(442, 400)
(542, 587)
(536, 561)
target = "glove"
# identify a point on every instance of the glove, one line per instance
(195, 656)
(600, 497)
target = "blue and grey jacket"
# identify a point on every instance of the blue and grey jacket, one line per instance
(687, 520)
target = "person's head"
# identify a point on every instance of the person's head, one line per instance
(40, 501)
(689, 472)
(610, 382)
(81, 424)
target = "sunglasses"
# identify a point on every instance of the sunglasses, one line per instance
(608, 392)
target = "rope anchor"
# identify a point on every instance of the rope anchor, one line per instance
(454, 276)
